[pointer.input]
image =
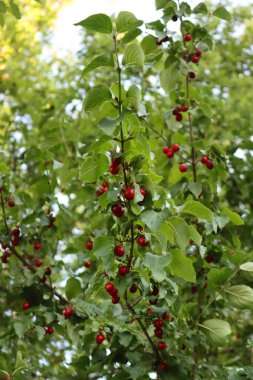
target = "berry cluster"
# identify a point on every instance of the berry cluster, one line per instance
(113, 291)
(115, 165)
(206, 161)
(170, 151)
(103, 189)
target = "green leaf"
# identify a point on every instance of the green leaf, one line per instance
(2, 6)
(197, 209)
(218, 277)
(127, 21)
(97, 96)
(182, 266)
(180, 229)
(134, 96)
(15, 10)
(92, 168)
(169, 77)
(131, 35)
(165, 3)
(3, 364)
(97, 23)
(157, 263)
(233, 217)
(248, 267)
(240, 296)
(72, 288)
(195, 188)
(100, 61)
(154, 219)
(133, 56)
(19, 329)
(222, 13)
(217, 330)
(194, 235)
(200, 8)
(108, 125)
(102, 245)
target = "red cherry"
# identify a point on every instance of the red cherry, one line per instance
(198, 53)
(161, 345)
(5, 259)
(26, 305)
(231, 251)
(184, 108)
(170, 153)
(15, 241)
(165, 316)
(43, 280)
(163, 366)
(129, 194)
(48, 271)
(194, 289)
(183, 168)
(158, 323)
(209, 259)
(143, 192)
(209, 165)
(195, 59)
(38, 263)
(150, 311)
(166, 149)
(37, 246)
(109, 286)
(187, 37)
(114, 169)
(100, 338)
(179, 117)
(105, 184)
(99, 192)
(238, 336)
(155, 291)
(88, 264)
(115, 300)
(11, 203)
(67, 312)
(204, 160)
(118, 210)
(89, 245)
(15, 232)
(116, 161)
(104, 189)
(175, 148)
(191, 75)
(158, 333)
(133, 288)
(113, 292)
(119, 250)
(49, 330)
(176, 111)
(141, 241)
(123, 270)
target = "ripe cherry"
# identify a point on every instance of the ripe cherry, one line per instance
(38, 263)
(15, 232)
(198, 53)
(195, 59)
(26, 305)
(114, 169)
(116, 161)
(67, 312)
(133, 288)
(123, 270)
(99, 192)
(119, 250)
(176, 111)
(109, 286)
(170, 153)
(209, 165)
(115, 300)
(184, 108)
(89, 245)
(163, 366)
(175, 148)
(11, 203)
(231, 251)
(158, 323)
(143, 192)
(165, 316)
(179, 117)
(204, 160)
(141, 241)
(100, 338)
(48, 271)
(129, 193)
(113, 292)
(209, 259)
(166, 149)
(183, 168)
(187, 37)
(49, 330)
(158, 333)
(191, 75)
(88, 264)
(105, 185)
(150, 311)
(194, 289)
(37, 246)
(118, 210)
(161, 345)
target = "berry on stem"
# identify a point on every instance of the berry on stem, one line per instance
(158, 333)
(198, 53)
(88, 264)
(204, 160)
(143, 192)
(109, 286)
(161, 345)
(191, 75)
(129, 193)
(170, 153)
(38, 263)
(26, 305)
(195, 59)
(158, 323)
(163, 366)
(187, 37)
(175, 148)
(119, 250)
(183, 168)
(100, 338)
(49, 330)
(67, 312)
(133, 288)
(89, 245)
(118, 210)
(166, 149)
(184, 108)
(179, 117)
(115, 300)
(11, 203)
(37, 246)
(114, 169)
(123, 270)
